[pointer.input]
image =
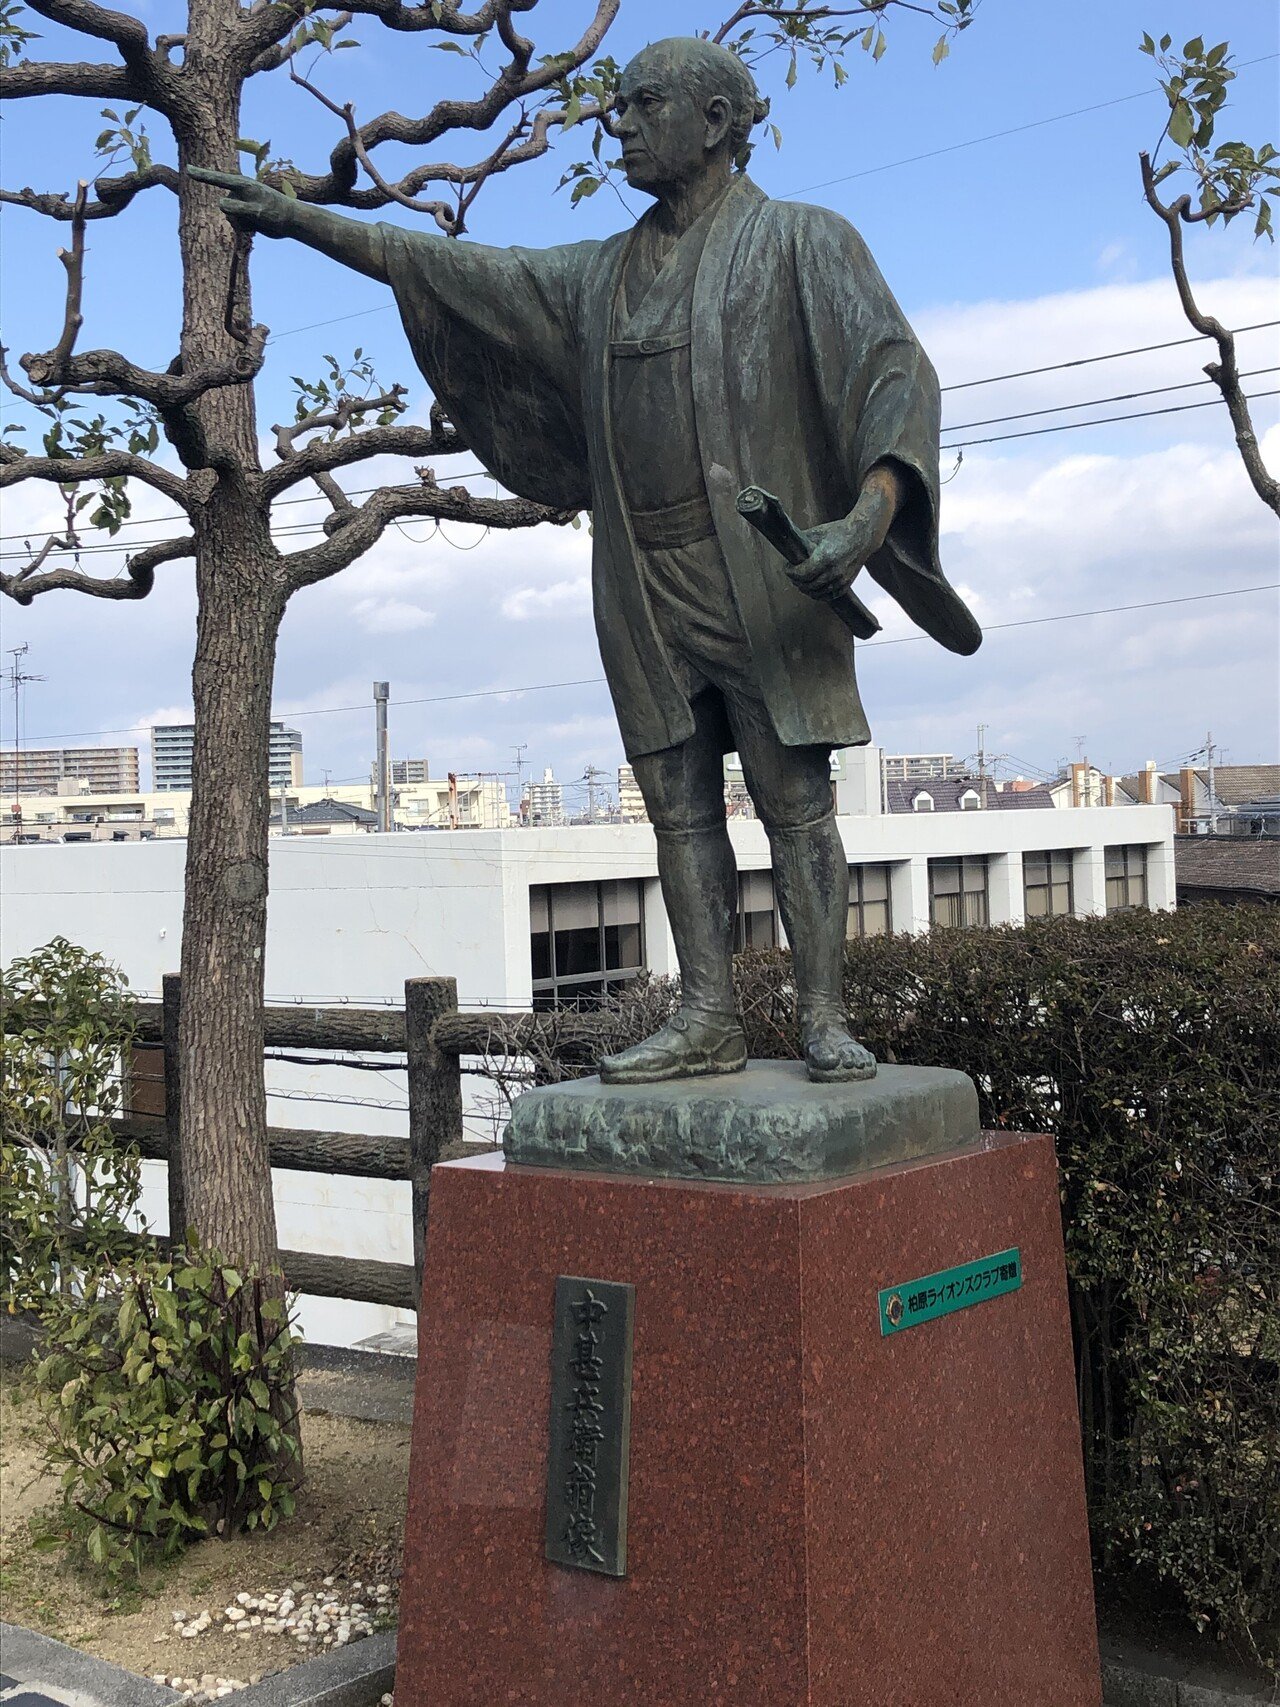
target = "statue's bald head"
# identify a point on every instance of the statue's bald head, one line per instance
(703, 72)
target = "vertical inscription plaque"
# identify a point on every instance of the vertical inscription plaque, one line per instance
(590, 1425)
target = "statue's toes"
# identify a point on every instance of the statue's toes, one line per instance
(832, 1055)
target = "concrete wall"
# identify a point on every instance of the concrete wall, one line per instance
(351, 918)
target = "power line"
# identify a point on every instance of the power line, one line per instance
(1110, 356)
(1104, 610)
(1102, 421)
(600, 681)
(996, 135)
(1097, 402)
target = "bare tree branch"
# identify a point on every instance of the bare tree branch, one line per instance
(333, 420)
(1224, 373)
(271, 23)
(323, 455)
(817, 14)
(396, 503)
(73, 261)
(106, 373)
(514, 84)
(135, 583)
(114, 194)
(75, 470)
(274, 57)
(128, 33)
(97, 82)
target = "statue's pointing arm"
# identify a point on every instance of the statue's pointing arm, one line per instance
(520, 297)
(494, 331)
(259, 208)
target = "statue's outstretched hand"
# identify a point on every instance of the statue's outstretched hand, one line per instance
(254, 206)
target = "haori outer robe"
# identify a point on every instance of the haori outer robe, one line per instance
(805, 375)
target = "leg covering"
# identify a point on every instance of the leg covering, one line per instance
(700, 889)
(811, 878)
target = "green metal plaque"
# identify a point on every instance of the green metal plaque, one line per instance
(949, 1290)
(588, 1464)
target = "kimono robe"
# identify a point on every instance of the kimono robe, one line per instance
(805, 376)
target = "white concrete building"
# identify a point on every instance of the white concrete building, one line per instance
(529, 916)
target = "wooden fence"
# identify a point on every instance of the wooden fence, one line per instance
(432, 1034)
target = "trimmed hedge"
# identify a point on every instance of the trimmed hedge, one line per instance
(1149, 1046)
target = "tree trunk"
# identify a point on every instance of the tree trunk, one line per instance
(227, 1172)
(225, 1160)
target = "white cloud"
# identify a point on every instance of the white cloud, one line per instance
(527, 602)
(391, 616)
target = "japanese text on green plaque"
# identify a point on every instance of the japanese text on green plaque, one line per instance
(951, 1289)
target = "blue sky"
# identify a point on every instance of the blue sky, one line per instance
(1011, 253)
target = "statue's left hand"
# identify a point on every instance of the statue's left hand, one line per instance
(840, 550)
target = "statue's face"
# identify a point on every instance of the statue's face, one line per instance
(667, 136)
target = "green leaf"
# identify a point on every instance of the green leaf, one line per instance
(941, 49)
(792, 72)
(1182, 125)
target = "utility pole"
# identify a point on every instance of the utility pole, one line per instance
(982, 765)
(284, 809)
(520, 752)
(1209, 751)
(18, 679)
(382, 752)
(589, 777)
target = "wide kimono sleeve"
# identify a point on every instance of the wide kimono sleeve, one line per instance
(880, 396)
(494, 333)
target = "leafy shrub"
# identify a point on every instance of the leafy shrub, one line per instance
(168, 1388)
(68, 1187)
(167, 1385)
(1148, 1045)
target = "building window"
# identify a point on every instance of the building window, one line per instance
(869, 909)
(958, 891)
(1046, 880)
(757, 911)
(923, 802)
(587, 939)
(1126, 879)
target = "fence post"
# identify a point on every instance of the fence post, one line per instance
(435, 1096)
(171, 1009)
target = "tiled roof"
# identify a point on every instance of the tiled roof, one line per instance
(1228, 862)
(1236, 784)
(946, 794)
(327, 812)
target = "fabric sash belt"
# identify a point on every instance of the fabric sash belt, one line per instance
(679, 525)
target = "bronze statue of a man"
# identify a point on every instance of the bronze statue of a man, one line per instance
(725, 339)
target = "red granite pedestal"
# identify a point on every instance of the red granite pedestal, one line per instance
(820, 1516)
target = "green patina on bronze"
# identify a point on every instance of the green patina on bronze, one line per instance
(768, 1125)
(726, 340)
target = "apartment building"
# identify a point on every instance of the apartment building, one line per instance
(47, 770)
(172, 745)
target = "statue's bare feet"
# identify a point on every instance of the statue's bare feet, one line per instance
(691, 1045)
(831, 1052)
